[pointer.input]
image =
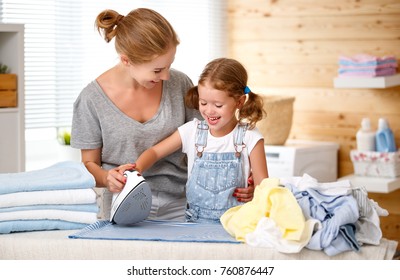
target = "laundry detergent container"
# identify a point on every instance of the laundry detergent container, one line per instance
(276, 126)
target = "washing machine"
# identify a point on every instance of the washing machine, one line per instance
(316, 158)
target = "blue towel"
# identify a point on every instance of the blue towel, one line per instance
(155, 230)
(60, 176)
(365, 62)
(38, 225)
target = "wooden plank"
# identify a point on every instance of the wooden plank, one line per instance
(320, 130)
(299, 76)
(295, 76)
(8, 82)
(367, 102)
(333, 124)
(390, 227)
(293, 53)
(352, 101)
(301, 8)
(345, 168)
(8, 98)
(379, 27)
(388, 201)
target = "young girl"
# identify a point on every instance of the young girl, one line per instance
(221, 149)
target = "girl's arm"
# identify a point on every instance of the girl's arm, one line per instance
(164, 148)
(258, 163)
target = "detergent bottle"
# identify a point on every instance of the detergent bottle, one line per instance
(365, 136)
(384, 137)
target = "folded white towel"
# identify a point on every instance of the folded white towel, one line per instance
(63, 215)
(88, 207)
(60, 176)
(75, 196)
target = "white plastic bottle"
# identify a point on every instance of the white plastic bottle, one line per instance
(365, 136)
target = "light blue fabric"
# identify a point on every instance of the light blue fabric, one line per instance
(156, 230)
(60, 176)
(92, 207)
(213, 178)
(38, 225)
(366, 71)
(211, 185)
(345, 241)
(333, 212)
(374, 62)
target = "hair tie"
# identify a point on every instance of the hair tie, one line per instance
(247, 90)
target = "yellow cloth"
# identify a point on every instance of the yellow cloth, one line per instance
(270, 200)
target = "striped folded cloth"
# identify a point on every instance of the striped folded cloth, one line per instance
(365, 60)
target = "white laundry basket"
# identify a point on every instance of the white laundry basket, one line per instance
(376, 164)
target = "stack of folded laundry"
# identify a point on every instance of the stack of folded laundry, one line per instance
(60, 196)
(364, 65)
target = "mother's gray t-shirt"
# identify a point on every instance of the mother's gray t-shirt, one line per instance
(97, 122)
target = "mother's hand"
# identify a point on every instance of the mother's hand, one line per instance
(245, 194)
(116, 179)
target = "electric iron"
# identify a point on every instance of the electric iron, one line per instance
(133, 203)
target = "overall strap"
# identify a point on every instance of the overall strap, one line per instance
(201, 137)
(238, 138)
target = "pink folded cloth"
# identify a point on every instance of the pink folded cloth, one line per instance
(364, 65)
(366, 60)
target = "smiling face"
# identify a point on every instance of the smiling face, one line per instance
(150, 73)
(218, 109)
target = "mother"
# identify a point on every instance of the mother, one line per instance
(134, 105)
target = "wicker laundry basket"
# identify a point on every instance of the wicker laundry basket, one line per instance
(276, 126)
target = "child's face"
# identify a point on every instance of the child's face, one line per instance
(218, 109)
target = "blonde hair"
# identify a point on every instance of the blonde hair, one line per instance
(141, 35)
(230, 76)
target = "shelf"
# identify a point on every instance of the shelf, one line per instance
(367, 82)
(12, 121)
(9, 110)
(374, 184)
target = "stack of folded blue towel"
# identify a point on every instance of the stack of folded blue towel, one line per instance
(364, 65)
(60, 196)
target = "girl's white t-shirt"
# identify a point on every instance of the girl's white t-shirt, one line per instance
(217, 144)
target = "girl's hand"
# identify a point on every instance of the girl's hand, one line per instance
(245, 194)
(116, 179)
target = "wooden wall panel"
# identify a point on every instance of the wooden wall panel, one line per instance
(316, 28)
(390, 225)
(291, 47)
(303, 8)
(313, 52)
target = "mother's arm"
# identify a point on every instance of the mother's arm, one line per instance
(112, 179)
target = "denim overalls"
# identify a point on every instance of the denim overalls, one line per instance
(214, 178)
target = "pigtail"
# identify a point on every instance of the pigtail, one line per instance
(252, 110)
(192, 98)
